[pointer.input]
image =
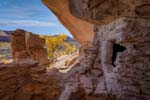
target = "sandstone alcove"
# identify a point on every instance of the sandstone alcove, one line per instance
(95, 24)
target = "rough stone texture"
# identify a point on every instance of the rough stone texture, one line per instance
(27, 45)
(27, 80)
(129, 77)
(103, 72)
(126, 73)
(74, 25)
(85, 81)
(105, 11)
(96, 76)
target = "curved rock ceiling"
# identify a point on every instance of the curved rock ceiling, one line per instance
(105, 11)
(78, 16)
(81, 30)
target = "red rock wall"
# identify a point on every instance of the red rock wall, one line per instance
(27, 80)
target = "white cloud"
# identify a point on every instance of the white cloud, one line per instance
(34, 23)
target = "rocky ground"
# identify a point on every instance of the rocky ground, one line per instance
(65, 63)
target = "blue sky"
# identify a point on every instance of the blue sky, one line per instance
(30, 15)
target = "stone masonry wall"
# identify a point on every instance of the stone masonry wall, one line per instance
(27, 80)
(107, 72)
(129, 77)
(27, 45)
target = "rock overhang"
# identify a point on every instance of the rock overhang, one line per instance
(105, 11)
(81, 30)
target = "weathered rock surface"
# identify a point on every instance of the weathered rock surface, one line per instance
(27, 45)
(127, 75)
(28, 80)
(105, 11)
(118, 60)
(81, 30)
(116, 65)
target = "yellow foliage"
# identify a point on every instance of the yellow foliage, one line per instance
(53, 42)
(56, 46)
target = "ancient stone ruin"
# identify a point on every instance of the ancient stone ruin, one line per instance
(27, 45)
(113, 63)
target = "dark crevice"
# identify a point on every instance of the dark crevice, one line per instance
(116, 48)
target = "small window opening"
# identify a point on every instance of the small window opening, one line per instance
(116, 48)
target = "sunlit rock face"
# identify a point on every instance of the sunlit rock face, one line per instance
(27, 45)
(81, 30)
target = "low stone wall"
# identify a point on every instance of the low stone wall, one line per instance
(27, 80)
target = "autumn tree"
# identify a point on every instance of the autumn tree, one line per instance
(57, 46)
(52, 44)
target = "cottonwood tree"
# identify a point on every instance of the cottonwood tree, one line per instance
(52, 44)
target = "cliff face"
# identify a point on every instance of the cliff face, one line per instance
(81, 30)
